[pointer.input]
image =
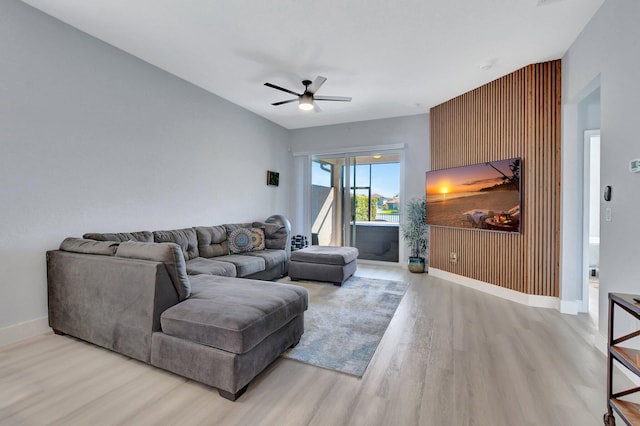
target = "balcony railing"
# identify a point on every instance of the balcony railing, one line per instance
(392, 218)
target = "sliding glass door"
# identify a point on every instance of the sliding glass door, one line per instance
(355, 202)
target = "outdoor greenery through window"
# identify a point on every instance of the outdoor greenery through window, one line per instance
(375, 192)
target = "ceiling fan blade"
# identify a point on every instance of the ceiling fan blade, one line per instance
(333, 98)
(273, 86)
(284, 102)
(319, 81)
(316, 108)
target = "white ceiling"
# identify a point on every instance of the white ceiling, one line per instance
(394, 58)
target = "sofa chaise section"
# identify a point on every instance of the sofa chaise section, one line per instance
(234, 326)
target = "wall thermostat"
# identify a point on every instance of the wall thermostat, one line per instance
(634, 165)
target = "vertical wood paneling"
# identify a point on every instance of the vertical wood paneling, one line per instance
(515, 116)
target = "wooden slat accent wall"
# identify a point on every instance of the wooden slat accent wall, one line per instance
(515, 116)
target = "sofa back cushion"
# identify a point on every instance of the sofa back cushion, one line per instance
(185, 238)
(80, 245)
(142, 236)
(275, 235)
(230, 227)
(212, 241)
(170, 254)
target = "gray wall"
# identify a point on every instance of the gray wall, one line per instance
(412, 131)
(94, 139)
(607, 49)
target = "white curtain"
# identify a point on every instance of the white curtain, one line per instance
(301, 220)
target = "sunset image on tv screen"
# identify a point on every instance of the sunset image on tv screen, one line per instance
(480, 196)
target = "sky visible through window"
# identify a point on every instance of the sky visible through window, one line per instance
(385, 177)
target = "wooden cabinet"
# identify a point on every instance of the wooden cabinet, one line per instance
(629, 358)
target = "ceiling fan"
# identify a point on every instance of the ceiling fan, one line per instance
(307, 98)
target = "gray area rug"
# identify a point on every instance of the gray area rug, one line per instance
(344, 325)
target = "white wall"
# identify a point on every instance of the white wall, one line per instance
(594, 188)
(607, 48)
(93, 139)
(591, 227)
(580, 113)
(412, 131)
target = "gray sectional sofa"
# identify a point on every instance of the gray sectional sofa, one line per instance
(179, 301)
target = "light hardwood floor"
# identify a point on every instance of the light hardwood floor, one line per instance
(451, 356)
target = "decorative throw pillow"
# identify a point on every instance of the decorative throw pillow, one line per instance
(257, 239)
(298, 242)
(240, 241)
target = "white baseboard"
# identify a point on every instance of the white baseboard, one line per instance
(570, 306)
(584, 305)
(24, 330)
(505, 293)
(600, 342)
(380, 263)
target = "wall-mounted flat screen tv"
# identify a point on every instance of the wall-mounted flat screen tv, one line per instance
(480, 196)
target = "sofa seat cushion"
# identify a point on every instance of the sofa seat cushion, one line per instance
(245, 265)
(233, 314)
(200, 265)
(272, 257)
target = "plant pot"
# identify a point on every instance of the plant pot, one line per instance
(416, 264)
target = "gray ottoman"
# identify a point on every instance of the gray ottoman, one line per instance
(323, 263)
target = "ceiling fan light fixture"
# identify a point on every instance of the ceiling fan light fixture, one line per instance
(306, 102)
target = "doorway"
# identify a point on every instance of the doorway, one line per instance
(355, 201)
(591, 224)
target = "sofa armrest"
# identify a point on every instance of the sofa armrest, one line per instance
(278, 233)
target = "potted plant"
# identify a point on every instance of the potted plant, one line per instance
(415, 233)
